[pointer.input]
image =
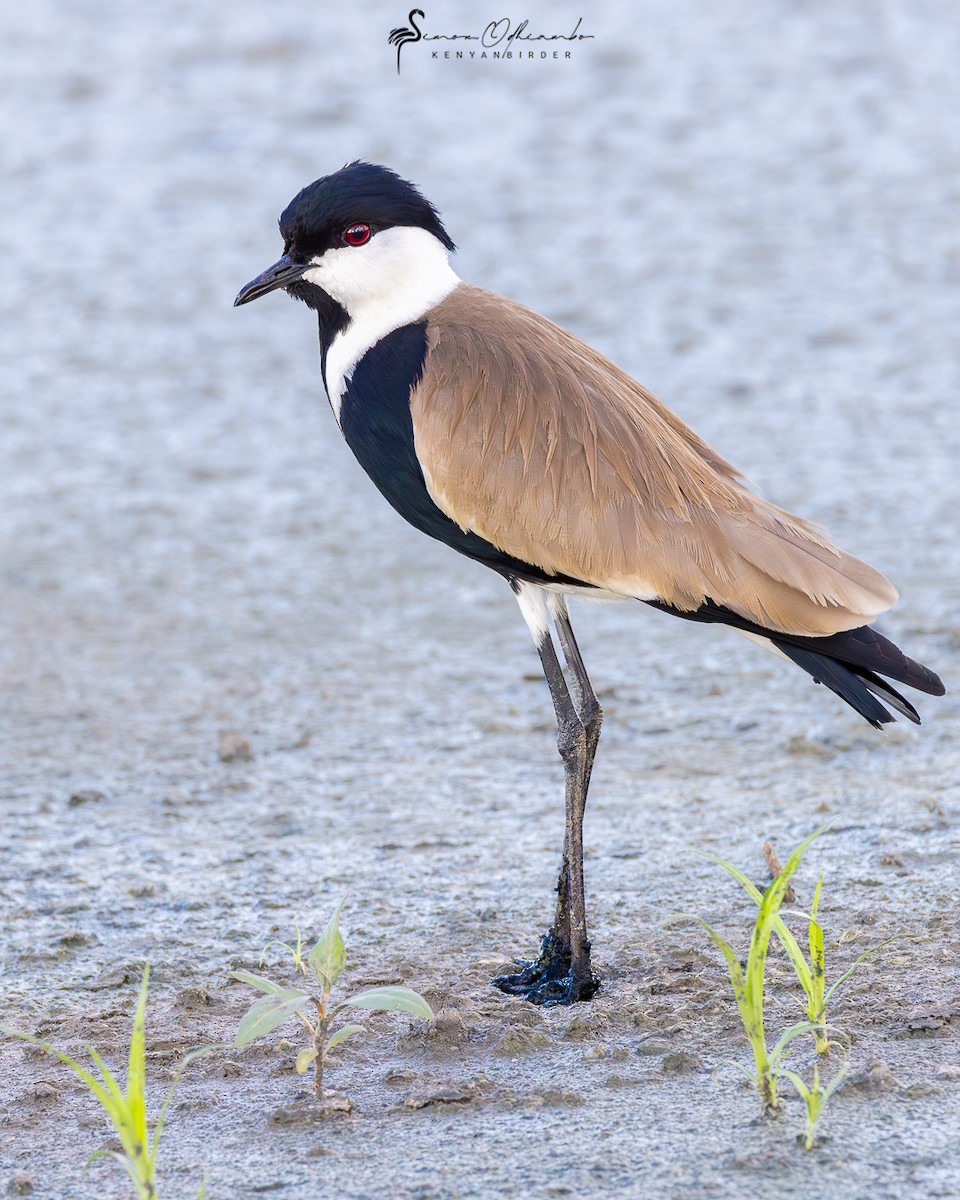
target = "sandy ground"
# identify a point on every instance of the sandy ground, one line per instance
(753, 209)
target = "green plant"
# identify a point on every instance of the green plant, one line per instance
(324, 963)
(127, 1111)
(748, 980)
(810, 968)
(814, 1097)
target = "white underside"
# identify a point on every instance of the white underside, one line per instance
(761, 641)
(533, 605)
(399, 275)
(539, 601)
(601, 595)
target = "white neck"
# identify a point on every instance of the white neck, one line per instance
(393, 280)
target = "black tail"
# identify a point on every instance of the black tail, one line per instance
(857, 685)
(849, 663)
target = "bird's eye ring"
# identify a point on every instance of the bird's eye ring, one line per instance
(357, 234)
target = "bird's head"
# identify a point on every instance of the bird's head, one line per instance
(360, 236)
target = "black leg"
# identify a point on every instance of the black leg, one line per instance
(588, 706)
(591, 718)
(561, 974)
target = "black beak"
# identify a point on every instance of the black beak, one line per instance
(281, 274)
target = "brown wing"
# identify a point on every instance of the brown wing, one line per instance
(537, 443)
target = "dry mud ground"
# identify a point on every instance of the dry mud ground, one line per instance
(754, 210)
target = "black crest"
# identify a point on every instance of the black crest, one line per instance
(315, 218)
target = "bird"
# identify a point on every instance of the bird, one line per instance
(401, 35)
(495, 431)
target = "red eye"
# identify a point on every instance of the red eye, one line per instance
(356, 235)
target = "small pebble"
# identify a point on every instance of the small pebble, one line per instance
(517, 1039)
(75, 939)
(84, 796)
(622, 1081)
(873, 1078)
(440, 1093)
(682, 1063)
(234, 747)
(562, 1097)
(401, 1075)
(652, 1046)
(194, 998)
(313, 1110)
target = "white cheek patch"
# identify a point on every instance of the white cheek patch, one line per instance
(399, 275)
(332, 270)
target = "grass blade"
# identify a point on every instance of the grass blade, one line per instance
(161, 1120)
(772, 901)
(842, 1072)
(750, 1018)
(93, 1084)
(109, 1080)
(748, 981)
(802, 1090)
(784, 936)
(857, 961)
(127, 1112)
(137, 1066)
(785, 1038)
(120, 1113)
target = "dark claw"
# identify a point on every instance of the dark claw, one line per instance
(549, 979)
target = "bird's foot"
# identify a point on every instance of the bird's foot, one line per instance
(550, 979)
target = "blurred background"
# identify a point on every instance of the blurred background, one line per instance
(233, 681)
(752, 209)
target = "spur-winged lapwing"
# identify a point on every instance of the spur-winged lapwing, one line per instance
(493, 430)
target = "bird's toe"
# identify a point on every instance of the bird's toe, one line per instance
(550, 979)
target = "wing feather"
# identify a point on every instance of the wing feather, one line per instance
(537, 443)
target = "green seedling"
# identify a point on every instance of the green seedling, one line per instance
(127, 1110)
(814, 1097)
(748, 980)
(810, 968)
(322, 965)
